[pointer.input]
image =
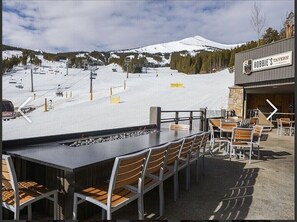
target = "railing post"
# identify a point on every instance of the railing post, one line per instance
(191, 120)
(155, 116)
(203, 120)
(176, 117)
(223, 113)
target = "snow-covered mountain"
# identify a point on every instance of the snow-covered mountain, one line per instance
(191, 44)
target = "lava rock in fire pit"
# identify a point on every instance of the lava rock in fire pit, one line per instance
(91, 140)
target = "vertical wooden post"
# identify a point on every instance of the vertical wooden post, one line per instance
(125, 85)
(110, 91)
(34, 96)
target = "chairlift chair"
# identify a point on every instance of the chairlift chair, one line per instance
(20, 85)
(59, 93)
(12, 80)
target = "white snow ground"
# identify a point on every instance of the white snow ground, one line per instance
(79, 114)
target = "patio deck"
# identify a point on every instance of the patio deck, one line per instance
(229, 190)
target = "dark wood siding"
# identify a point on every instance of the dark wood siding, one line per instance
(281, 101)
(263, 51)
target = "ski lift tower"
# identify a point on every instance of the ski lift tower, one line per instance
(127, 62)
(92, 69)
(32, 88)
(67, 61)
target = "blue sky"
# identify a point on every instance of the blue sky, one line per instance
(77, 25)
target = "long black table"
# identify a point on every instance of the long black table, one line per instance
(74, 159)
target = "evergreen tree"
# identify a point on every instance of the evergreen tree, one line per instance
(270, 35)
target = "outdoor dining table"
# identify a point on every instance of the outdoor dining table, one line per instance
(70, 161)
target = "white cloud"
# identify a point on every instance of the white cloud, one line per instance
(108, 25)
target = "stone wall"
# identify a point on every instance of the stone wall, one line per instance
(236, 98)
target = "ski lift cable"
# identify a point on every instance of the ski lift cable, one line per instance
(51, 90)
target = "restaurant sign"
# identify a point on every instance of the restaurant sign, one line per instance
(269, 62)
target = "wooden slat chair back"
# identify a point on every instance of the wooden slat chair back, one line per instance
(7, 175)
(241, 135)
(172, 152)
(243, 138)
(215, 122)
(195, 151)
(171, 163)
(285, 121)
(228, 125)
(127, 171)
(197, 144)
(186, 148)
(253, 121)
(184, 159)
(258, 130)
(285, 126)
(258, 133)
(155, 171)
(203, 147)
(224, 138)
(17, 195)
(179, 127)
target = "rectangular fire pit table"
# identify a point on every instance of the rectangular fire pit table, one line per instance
(73, 167)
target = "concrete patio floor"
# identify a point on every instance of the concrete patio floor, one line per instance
(231, 190)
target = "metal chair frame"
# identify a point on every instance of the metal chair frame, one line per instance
(171, 164)
(243, 138)
(127, 170)
(155, 171)
(22, 194)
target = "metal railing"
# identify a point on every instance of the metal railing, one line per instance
(188, 116)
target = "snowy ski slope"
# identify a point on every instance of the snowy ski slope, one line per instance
(78, 113)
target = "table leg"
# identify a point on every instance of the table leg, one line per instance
(69, 187)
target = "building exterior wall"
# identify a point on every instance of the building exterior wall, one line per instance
(236, 99)
(269, 75)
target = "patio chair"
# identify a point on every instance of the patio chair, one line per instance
(203, 147)
(17, 195)
(257, 137)
(213, 138)
(195, 151)
(127, 171)
(253, 121)
(225, 131)
(285, 126)
(243, 138)
(154, 173)
(184, 157)
(246, 122)
(171, 163)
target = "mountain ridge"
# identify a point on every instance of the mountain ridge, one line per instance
(191, 44)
